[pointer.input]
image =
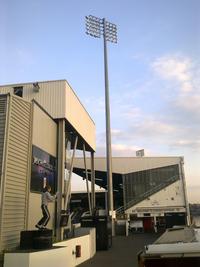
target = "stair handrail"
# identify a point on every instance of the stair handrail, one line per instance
(146, 194)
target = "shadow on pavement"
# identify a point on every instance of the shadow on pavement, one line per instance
(123, 252)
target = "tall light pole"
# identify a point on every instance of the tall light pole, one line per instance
(97, 27)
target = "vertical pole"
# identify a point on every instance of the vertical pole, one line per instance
(87, 185)
(93, 181)
(106, 200)
(155, 224)
(61, 173)
(108, 133)
(184, 191)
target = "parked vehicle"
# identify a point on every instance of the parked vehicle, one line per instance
(177, 247)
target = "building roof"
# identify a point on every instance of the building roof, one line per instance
(60, 101)
(123, 165)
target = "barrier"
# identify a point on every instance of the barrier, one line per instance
(70, 253)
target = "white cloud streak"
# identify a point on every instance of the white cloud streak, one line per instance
(175, 68)
(138, 123)
(118, 150)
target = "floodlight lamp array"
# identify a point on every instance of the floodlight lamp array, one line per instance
(111, 32)
(97, 27)
(94, 26)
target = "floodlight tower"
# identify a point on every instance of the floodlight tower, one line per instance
(96, 27)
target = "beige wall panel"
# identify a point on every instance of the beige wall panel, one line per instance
(16, 173)
(3, 108)
(77, 115)
(171, 196)
(60, 101)
(129, 164)
(44, 131)
(5, 89)
(35, 212)
(51, 95)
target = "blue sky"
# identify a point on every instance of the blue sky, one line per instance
(154, 69)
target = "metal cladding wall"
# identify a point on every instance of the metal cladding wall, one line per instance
(61, 102)
(44, 136)
(78, 117)
(3, 107)
(44, 131)
(15, 176)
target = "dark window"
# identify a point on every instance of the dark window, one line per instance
(146, 214)
(43, 170)
(18, 91)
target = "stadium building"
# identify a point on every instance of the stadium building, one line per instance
(42, 124)
(149, 191)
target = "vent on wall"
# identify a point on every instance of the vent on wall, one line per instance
(18, 90)
(2, 106)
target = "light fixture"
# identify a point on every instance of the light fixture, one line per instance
(97, 27)
(36, 87)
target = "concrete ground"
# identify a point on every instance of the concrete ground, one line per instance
(123, 252)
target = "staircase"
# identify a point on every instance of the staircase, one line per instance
(76, 217)
(147, 194)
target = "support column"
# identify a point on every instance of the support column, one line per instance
(93, 181)
(60, 175)
(86, 175)
(155, 224)
(68, 188)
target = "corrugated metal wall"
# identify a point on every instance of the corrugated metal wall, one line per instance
(15, 186)
(51, 95)
(60, 101)
(79, 118)
(3, 104)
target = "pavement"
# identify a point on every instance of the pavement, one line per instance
(123, 252)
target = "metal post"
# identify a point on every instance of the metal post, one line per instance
(184, 191)
(108, 133)
(96, 27)
(106, 200)
(61, 173)
(67, 193)
(93, 181)
(86, 175)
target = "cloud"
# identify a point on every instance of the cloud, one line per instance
(118, 150)
(116, 132)
(152, 116)
(189, 103)
(124, 150)
(175, 68)
(148, 128)
(193, 194)
(130, 112)
(140, 133)
(153, 127)
(192, 144)
(181, 104)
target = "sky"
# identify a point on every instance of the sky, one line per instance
(154, 69)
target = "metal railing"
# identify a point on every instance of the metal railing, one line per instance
(146, 194)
